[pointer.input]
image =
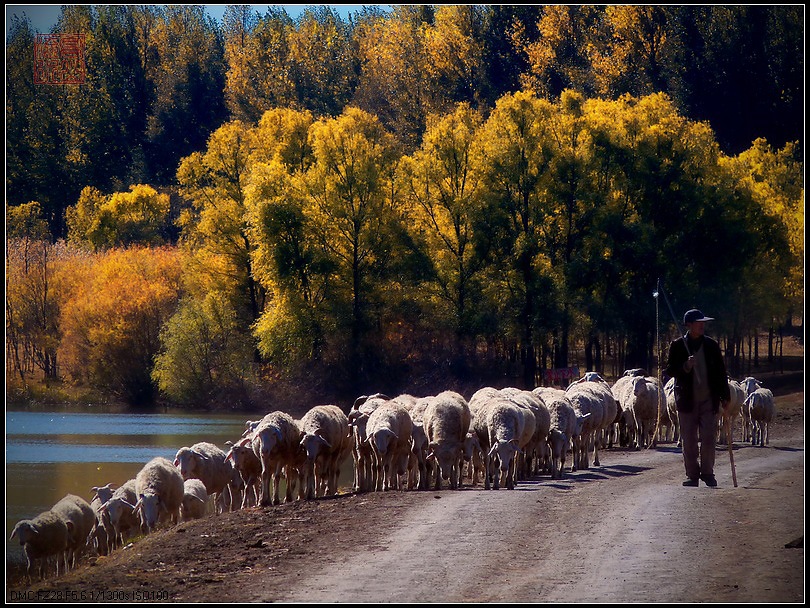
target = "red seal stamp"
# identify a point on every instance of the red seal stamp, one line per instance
(59, 59)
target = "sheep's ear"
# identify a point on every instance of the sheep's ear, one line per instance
(177, 462)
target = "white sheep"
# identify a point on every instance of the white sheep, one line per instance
(446, 422)
(626, 422)
(275, 444)
(749, 385)
(79, 517)
(586, 399)
(729, 411)
(473, 456)
(642, 407)
(761, 410)
(98, 539)
(672, 410)
(206, 462)
(499, 424)
(249, 467)
(361, 450)
(419, 468)
(564, 424)
(536, 451)
(159, 488)
(119, 515)
(604, 430)
(326, 442)
(388, 432)
(42, 537)
(195, 499)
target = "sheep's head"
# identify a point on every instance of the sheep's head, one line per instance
(148, 510)
(25, 530)
(505, 451)
(267, 438)
(313, 444)
(445, 456)
(103, 493)
(381, 440)
(188, 460)
(471, 445)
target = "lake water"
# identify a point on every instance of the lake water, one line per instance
(51, 454)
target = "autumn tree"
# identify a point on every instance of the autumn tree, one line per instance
(139, 216)
(391, 54)
(442, 193)
(111, 322)
(286, 260)
(321, 62)
(215, 229)
(348, 188)
(514, 156)
(32, 324)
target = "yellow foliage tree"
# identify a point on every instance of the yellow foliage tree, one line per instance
(124, 218)
(443, 198)
(112, 319)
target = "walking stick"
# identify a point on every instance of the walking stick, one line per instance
(731, 451)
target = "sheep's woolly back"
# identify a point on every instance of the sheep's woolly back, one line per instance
(562, 415)
(504, 420)
(161, 478)
(286, 430)
(761, 405)
(446, 419)
(587, 399)
(206, 462)
(391, 416)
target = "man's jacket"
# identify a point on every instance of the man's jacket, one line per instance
(716, 368)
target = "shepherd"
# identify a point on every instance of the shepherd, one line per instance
(701, 385)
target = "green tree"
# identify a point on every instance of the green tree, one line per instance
(189, 88)
(348, 190)
(515, 152)
(442, 192)
(139, 216)
(204, 352)
(215, 229)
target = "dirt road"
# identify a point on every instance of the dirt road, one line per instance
(625, 531)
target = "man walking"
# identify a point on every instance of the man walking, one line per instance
(701, 383)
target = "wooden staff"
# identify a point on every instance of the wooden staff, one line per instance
(727, 424)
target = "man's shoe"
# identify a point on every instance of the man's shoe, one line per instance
(709, 480)
(692, 483)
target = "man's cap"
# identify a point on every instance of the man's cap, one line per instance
(695, 315)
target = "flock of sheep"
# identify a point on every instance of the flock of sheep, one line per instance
(502, 435)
